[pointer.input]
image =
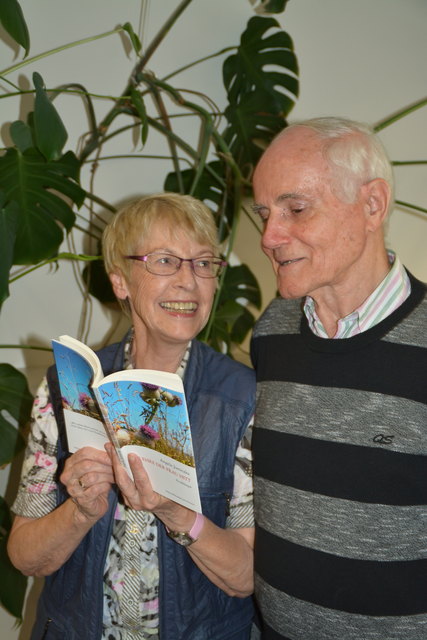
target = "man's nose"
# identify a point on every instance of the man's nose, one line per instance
(277, 231)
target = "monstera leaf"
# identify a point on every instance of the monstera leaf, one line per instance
(232, 320)
(15, 407)
(28, 180)
(259, 98)
(9, 213)
(211, 188)
(264, 7)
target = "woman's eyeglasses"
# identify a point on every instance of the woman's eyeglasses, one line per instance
(166, 264)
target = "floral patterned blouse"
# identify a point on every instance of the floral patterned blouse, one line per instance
(131, 576)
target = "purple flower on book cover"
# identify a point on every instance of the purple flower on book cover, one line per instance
(150, 393)
(85, 400)
(148, 432)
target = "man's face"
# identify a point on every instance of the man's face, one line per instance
(317, 244)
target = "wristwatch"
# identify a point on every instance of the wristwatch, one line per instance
(185, 538)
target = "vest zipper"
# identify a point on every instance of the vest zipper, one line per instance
(228, 499)
(46, 628)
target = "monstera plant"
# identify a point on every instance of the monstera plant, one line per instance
(41, 194)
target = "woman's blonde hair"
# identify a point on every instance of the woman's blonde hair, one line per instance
(130, 227)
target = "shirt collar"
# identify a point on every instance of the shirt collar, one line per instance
(385, 299)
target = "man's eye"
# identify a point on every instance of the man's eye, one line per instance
(297, 210)
(262, 215)
(260, 212)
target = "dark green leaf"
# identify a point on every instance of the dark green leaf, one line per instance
(27, 179)
(259, 97)
(215, 188)
(139, 105)
(13, 584)
(5, 518)
(264, 7)
(15, 406)
(21, 135)
(13, 21)
(240, 283)
(98, 282)
(225, 327)
(50, 133)
(136, 43)
(8, 224)
(242, 325)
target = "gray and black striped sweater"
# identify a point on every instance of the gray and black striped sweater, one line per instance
(340, 472)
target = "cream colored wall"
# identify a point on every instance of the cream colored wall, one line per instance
(363, 60)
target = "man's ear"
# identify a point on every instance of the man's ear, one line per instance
(377, 195)
(119, 284)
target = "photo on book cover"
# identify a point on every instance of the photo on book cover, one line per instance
(150, 415)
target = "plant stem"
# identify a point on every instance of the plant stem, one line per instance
(61, 256)
(24, 346)
(96, 139)
(400, 114)
(196, 62)
(401, 203)
(40, 56)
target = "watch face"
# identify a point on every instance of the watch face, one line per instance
(181, 537)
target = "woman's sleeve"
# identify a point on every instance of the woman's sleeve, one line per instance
(36, 493)
(241, 504)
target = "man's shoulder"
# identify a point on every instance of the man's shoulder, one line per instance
(279, 316)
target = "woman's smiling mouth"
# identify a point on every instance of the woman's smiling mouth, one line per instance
(180, 307)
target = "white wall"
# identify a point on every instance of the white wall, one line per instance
(364, 60)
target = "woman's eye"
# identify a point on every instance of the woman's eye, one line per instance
(204, 265)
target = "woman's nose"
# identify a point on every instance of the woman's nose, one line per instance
(185, 275)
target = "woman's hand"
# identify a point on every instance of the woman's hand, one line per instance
(224, 555)
(88, 477)
(139, 494)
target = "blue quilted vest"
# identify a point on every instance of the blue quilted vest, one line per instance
(221, 396)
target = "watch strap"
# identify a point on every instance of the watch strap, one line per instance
(186, 538)
(197, 527)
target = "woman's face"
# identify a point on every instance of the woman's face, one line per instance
(169, 309)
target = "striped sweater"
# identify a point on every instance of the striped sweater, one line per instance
(340, 471)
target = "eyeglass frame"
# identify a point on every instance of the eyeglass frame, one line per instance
(218, 261)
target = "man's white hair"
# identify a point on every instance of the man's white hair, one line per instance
(353, 151)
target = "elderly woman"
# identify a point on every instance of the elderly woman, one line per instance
(121, 561)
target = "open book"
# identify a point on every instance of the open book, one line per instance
(140, 411)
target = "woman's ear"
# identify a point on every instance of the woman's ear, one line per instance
(119, 284)
(377, 198)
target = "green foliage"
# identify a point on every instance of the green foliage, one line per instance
(15, 406)
(259, 98)
(13, 21)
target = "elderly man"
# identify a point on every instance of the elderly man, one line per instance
(340, 441)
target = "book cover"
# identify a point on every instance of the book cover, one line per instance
(139, 410)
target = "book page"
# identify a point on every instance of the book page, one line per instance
(82, 417)
(151, 420)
